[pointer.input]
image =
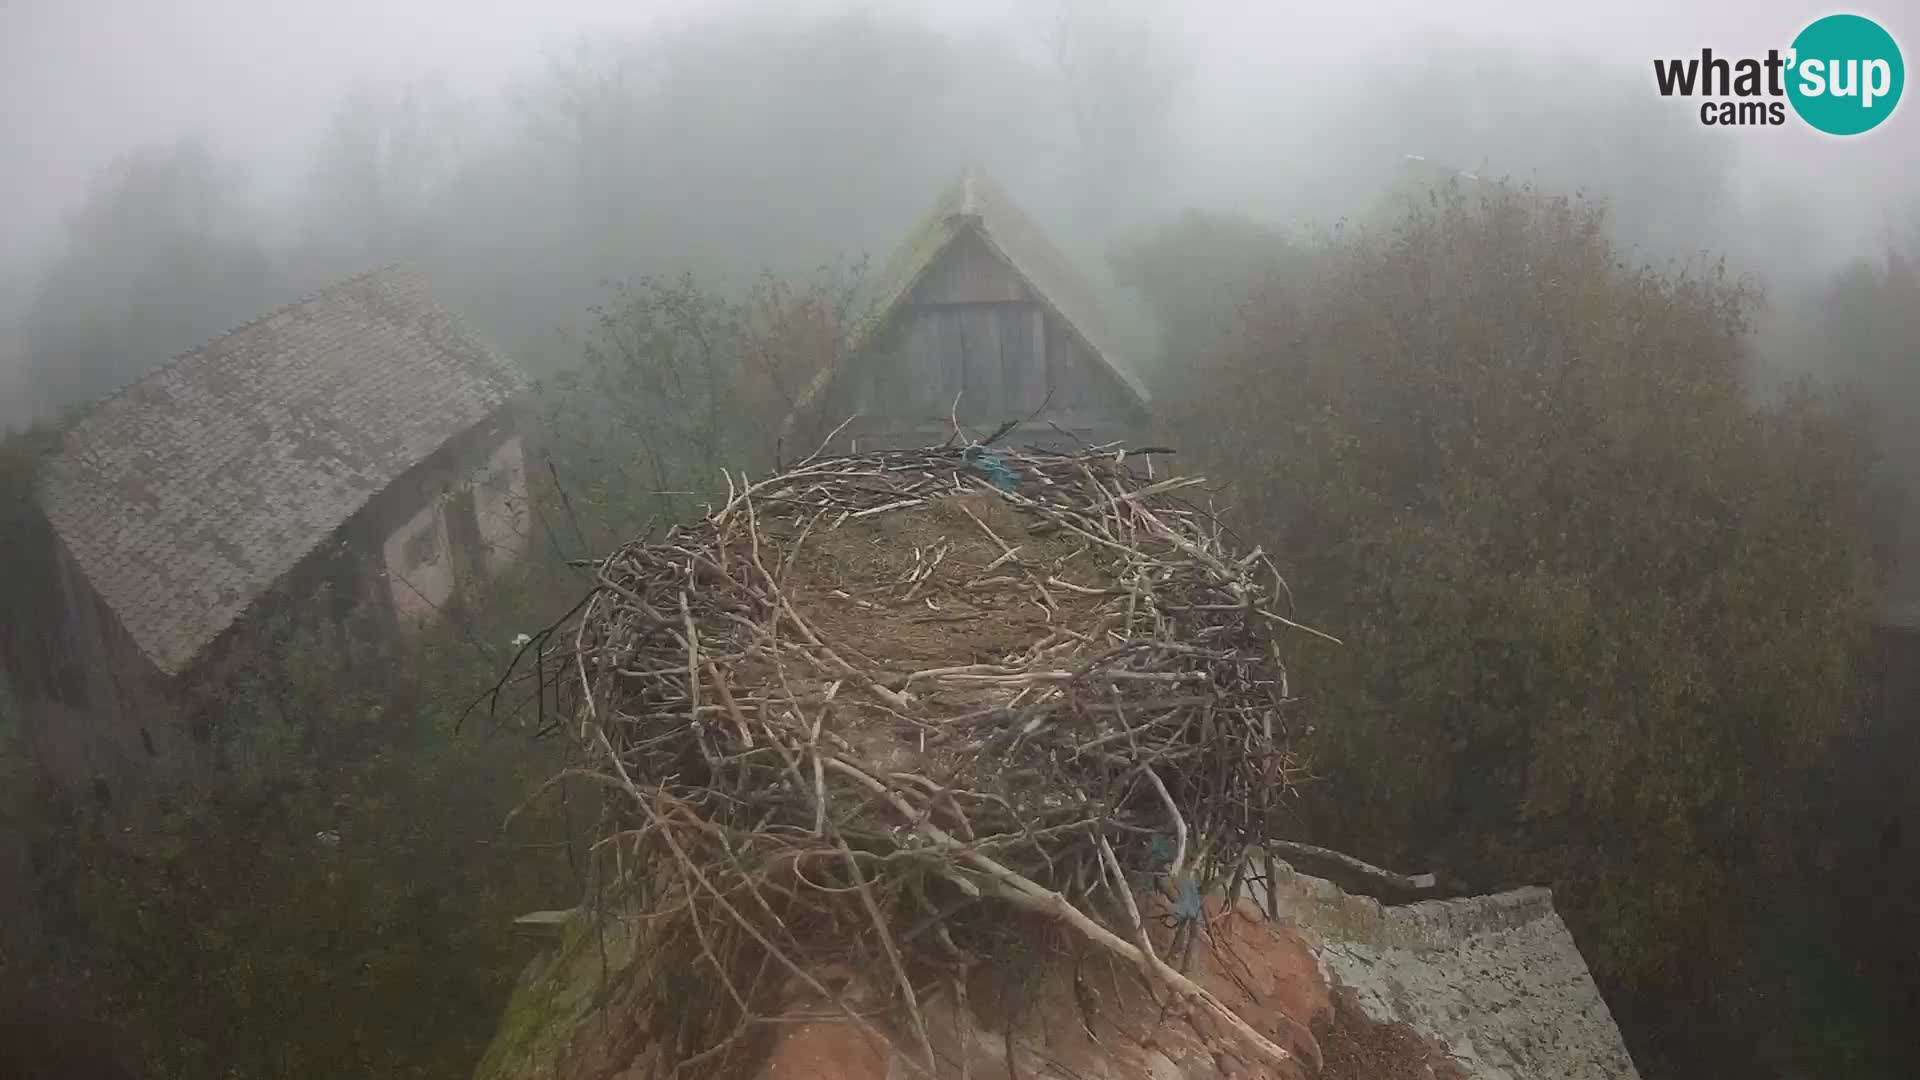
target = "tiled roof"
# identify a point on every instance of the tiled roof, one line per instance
(974, 202)
(186, 495)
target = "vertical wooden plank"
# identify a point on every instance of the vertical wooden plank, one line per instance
(1083, 385)
(985, 399)
(1042, 369)
(931, 372)
(949, 372)
(909, 389)
(1040, 387)
(872, 382)
(1003, 360)
(1022, 361)
(968, 272)
(1063, 368)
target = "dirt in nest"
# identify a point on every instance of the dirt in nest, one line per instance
(1357, 1047)
(855, 584)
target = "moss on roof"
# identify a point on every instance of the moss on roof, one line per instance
(940, 226)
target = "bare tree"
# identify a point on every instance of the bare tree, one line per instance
(381, 172)
(1118, 72)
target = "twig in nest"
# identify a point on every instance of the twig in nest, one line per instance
(789, 827)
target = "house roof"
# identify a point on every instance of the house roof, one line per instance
(975, 203)
(184, 496)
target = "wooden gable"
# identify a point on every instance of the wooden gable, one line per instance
(977, 318)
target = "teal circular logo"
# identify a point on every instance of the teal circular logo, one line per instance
(1846, 75)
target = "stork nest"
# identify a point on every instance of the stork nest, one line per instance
(874, 711)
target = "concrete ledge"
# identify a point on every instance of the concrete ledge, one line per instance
(1427, 924)
(1496, 979)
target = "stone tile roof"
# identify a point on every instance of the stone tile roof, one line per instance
(974, 202)
(186, 495)
(1497, 980)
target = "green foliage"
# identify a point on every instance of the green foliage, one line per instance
(341, 902)
(1811, 1002)
(1864, 329)
(1600, 611)
(1199, 272)
(339, 899)
(680, 382)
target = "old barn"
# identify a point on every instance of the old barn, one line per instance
(978, 319)
(353, 457)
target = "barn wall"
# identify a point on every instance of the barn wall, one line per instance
(969, 271)
(453, 522)
(500, 506)
(1086, 390)
(105, 717)
(438, 505)
(418, 562)
(972, 329)
(36, 635)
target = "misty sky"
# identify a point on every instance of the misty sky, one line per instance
(82, 80)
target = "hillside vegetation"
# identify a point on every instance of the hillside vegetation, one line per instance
(1601, 609)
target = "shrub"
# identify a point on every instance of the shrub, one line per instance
(679, 381)
(1600, 610)
(339, 903)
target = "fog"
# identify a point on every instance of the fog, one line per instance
(170, 169)
(173, 169)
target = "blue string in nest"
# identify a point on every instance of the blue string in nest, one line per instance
(992, 464)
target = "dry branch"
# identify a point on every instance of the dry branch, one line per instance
(1120, 728)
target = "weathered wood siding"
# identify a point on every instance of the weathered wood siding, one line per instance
(1096, 395)
(969, 272)
(971, 329)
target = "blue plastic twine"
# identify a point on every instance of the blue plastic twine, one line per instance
(994, 465)
(1188, 905)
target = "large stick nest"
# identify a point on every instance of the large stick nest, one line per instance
(875, 711)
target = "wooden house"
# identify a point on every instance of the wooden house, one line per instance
(358, 446)
(978, 321)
